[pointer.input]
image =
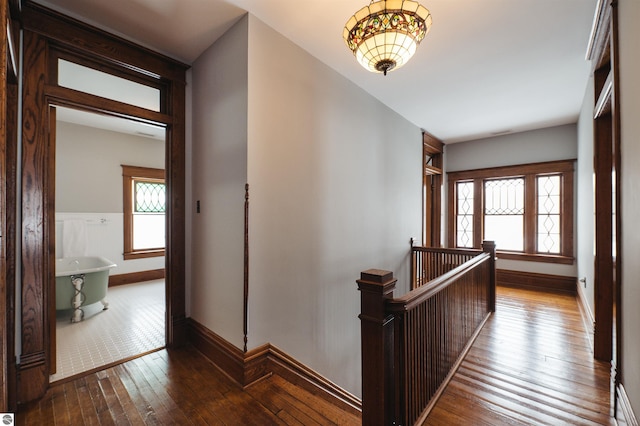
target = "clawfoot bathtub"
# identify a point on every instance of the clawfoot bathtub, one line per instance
(81, 281)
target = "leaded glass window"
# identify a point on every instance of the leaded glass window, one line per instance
(504, 213)
(548, 226)
(464, 237)
(526, 209)
(150, 197)
(144, 206)
(148, 214)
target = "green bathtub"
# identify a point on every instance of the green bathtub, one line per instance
(95, 270)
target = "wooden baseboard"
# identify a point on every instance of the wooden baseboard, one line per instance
(585, 313)
(135, 277)
(228, 358)
(535, 281)
(624, 413)
(260, 363)
(285, 366)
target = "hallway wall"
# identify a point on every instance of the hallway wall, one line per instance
(629, 34)
(335, 189)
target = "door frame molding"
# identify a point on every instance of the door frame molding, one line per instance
(47, 35)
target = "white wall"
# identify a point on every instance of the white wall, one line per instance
(629, 34)
(89, 186)
(535, 146)
(88, 166)
(219, 174)
(335, 189)
(585, 214)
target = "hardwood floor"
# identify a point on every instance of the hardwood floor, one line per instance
(531, 365)
(179, 387)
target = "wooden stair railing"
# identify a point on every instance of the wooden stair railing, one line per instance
(411, 346)
(428, 263)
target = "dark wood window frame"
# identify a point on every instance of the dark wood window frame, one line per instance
(131, 175)
(529, 172)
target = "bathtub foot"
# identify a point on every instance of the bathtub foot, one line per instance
(77, 281)
(105, 304)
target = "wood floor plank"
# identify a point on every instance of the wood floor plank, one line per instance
(531, 364)
(97, 398)
(73, 403)
(278, 401)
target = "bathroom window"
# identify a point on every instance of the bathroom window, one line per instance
(144, 206)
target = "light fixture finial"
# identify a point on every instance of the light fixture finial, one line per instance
(384, 35)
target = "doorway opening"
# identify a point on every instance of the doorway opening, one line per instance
(91, 202)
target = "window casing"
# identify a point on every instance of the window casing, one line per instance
(144, 206)
(527, 209)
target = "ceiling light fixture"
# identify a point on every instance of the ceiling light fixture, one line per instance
(384, 35)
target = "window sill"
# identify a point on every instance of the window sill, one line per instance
(141, 254)
(545, 258)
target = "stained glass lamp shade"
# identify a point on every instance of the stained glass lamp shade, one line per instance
(384, 35)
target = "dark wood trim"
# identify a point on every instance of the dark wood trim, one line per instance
(10, 238)
(248, 368)
(5, 70)
(228, 358)
(530, 225)
(129, 175)
(175, 177)
(35, 148)
(515, 170)
(618, 226)
(432, 190)
(536, 257)
(135, 277)
(79, 36)
(295, 372)
(478, 213)
(532, 280)
(604, 268)
(245, 305)
(624, 411)
(46, 31)
(598, 49)
(431, 144)
(50, 239)
(529, 172)
(74, 98)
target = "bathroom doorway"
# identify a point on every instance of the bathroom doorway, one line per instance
(47, 39)
(90, 222)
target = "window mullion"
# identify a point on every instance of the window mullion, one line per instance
(530, 214)
(478, 212)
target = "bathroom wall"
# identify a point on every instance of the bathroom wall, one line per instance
(89, 186)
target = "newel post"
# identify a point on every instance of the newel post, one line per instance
(490, 247)
(377, 347)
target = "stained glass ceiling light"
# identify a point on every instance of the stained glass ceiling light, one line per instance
(384, 35)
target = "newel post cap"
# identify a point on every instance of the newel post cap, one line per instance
(377, 281)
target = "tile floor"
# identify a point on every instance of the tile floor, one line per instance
(133, 324)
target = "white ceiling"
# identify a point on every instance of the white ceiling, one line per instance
(487, 66)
